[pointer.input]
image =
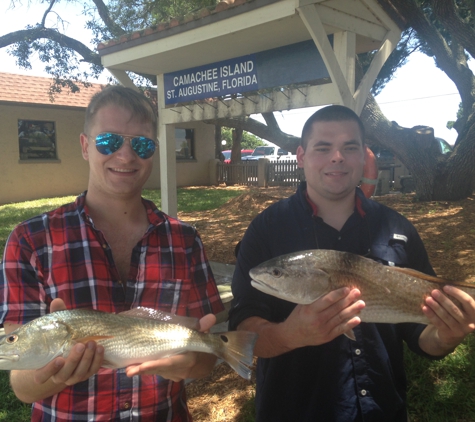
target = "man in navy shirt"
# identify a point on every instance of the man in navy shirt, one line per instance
(307, 370)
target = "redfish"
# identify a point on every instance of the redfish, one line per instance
(131, 337)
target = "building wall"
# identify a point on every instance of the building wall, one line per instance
(33, 179)
(196, 172)
(68, 175)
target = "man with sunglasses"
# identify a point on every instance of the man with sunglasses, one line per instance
(110, 250)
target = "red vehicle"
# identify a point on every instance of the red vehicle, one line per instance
(244, 153)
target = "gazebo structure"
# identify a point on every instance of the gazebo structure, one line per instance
(253, 56)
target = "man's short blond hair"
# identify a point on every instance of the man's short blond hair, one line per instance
(137, 103)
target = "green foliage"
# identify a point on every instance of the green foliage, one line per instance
(398, 58)
(442, 391)
(248, 411)
(13, 214)
(133, 15)
(11, 409)
(249, 141)
(195, 199)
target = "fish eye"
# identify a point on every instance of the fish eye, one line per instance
(12, 339)
(276, 272)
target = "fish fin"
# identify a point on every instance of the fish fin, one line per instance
(164, 317)
(350, 334)
(238, 351)
(414, 273)
(84, 340)
(443, 282)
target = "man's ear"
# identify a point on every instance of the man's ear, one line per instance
(83, 139)
(300, 154)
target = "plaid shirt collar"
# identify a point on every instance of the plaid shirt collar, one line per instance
(155, 216)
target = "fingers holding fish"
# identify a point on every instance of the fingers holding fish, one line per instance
(453, 322)
(57, 305)
(467, 305)
(176, 368)
(207, 322)
(182, 366)
(82, 362)
(325, 319)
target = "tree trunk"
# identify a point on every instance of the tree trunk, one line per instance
(217, 142)
(436, 176)
(236, 148)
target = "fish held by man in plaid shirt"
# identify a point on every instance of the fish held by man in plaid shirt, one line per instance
(128, 338)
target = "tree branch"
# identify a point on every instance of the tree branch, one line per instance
(46, 12)
(283, 140)
(446, 12)
(103, 11)
(30, 35)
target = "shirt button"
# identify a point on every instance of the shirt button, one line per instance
(119, 281)
(363, 392)
(104, 246)
(357, 352)
(126, 405)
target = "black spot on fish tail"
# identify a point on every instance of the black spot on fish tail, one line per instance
(238, 351)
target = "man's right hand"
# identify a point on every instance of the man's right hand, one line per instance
(328, 317)
(83, 361)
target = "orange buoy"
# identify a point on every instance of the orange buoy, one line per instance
(370, 174)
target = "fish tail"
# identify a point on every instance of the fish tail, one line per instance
(238, 350)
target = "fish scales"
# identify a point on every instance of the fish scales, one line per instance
(127, 339)
(391, 294)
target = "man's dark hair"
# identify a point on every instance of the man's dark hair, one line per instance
(134, 101)
(333, 113)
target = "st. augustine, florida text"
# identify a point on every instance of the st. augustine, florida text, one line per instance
(212, 82)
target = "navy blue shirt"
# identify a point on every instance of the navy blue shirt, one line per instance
(343, 380)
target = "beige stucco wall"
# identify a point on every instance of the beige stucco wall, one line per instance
(33, 179)
(196, 173)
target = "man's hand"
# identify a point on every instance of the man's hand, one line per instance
(83, 361)
(182, 366)
(328, 317)
(450, 323)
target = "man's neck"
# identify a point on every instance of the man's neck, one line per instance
(336, 212)
(114, 209)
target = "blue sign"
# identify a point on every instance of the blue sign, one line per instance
(291, 64)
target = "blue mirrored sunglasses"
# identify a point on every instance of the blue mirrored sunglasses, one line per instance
(108, 143)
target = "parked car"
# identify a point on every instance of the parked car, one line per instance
(273, 153)
(227, 154)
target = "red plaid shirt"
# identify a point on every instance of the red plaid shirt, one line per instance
(61, 254)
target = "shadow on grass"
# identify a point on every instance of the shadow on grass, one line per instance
(442, 391)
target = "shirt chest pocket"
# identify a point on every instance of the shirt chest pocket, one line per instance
(393, 254)
(169, 295)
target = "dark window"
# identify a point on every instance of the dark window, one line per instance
(185, 144)
(37, 140)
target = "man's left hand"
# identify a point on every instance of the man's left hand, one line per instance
(452, 323)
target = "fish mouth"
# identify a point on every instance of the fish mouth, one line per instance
(9, 358)
(257, 283)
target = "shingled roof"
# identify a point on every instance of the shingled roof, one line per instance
(174, 25)
(24, 89)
